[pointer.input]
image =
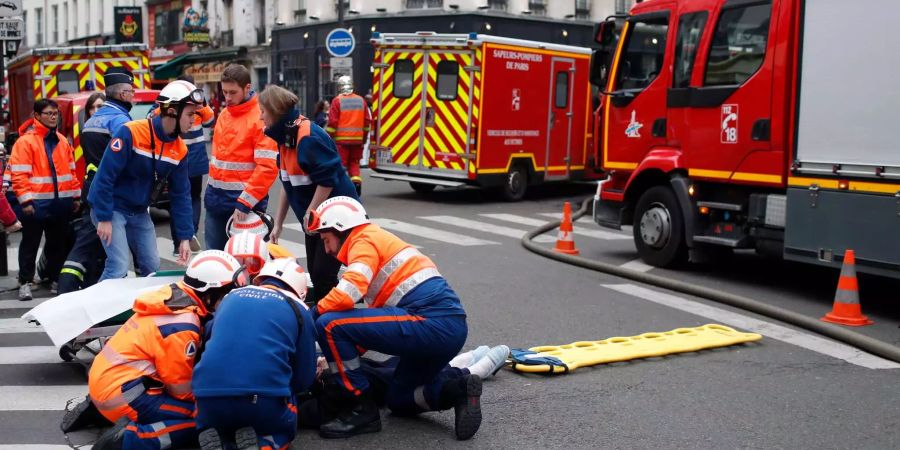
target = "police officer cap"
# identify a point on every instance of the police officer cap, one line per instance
(117, 75)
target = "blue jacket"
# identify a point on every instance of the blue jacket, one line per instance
(318, 160)
(198, 159)
(124, 180)
(256, 347)
(100, 128)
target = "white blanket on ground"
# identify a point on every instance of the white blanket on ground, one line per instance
(67, 316)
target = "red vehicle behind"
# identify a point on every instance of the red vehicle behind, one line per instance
(751, 124)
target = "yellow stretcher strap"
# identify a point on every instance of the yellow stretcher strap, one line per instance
(616, 349)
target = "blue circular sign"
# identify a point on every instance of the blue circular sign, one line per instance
(340, 42)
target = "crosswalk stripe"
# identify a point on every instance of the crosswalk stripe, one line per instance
(17, 325)
(598, 234)
(484, 227)
(164, 248)
(34, 447)
(18, 304)
(29, 355)
(431, 233)
(594, 233)
(39, 398)
(12, 256)
(637, 265)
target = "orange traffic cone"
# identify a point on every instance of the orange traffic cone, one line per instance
(564, 242)
(846, 310)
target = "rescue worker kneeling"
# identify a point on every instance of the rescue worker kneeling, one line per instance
(261, 350)
(412, 313)
(141, 380)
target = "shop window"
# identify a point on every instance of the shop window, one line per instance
(404, 70)
(447, 80)
(739, 45)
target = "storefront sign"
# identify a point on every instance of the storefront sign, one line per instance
(195, 29)
(128, 22)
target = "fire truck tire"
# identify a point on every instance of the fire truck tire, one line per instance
(422, 188)
(516, 184)
(659, 228)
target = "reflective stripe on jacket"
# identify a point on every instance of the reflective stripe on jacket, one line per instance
(157, 344)
(37, 178)
(243, 165)
(348, 119)
(381, 270)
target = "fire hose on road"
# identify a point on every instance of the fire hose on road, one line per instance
(858, 340)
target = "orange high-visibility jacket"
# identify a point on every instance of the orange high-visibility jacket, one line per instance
(348, 119)
(158, 342)
(33, 177)
(381, 269)
(243, 165)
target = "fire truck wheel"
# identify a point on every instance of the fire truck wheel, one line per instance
(659, 228)
(516, 184)
(422, 188)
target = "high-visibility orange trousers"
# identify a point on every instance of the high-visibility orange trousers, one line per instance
(350, 156)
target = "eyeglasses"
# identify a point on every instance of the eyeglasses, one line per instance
(50, 113)
(129, 92)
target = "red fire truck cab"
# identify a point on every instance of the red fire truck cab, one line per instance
(751, 124)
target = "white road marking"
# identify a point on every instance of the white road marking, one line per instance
(17, 325)
(597, 234)
(12, 257)
(637, 265)
(39, 398)
(34, 447)
(164, 248)
(431, 233)
(29, 355)
(801, 339)
(583, 219)
(18, 304)
(484, 227)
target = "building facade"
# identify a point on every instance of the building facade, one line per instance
(54, 23)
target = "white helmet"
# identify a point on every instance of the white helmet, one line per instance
(254, 222)
(345, 84)
(213, 269)
(337, 213)
(250, 250)
(287, 270)
(180, 92)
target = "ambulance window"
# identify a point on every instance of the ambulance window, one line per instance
(690, 27)
(642, 60)
(67, 81)
(562, 89)
(447, 80)
(739, 44)
(403, 78)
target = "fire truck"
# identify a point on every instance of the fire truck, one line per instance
(472, 109)
(49, 72)
(752, 124)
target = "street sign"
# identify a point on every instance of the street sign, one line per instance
(9, 8)
(341, 63)
(340, 42)
(11, 29)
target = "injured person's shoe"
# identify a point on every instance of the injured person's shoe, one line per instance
(362, 417)
(210, 440)
(114, 437)
(246, 439)
(81, 416)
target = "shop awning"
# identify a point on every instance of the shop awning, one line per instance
(173, 68)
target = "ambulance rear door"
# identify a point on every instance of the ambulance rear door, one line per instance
(400, 111)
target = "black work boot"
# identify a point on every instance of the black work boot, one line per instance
(113, 438)
(362, 416)
(210, 440)
(81, 416)
(245, 439)
(465, 396)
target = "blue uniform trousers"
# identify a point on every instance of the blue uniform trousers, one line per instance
(162, 422)
(273, 418)
(424, 345)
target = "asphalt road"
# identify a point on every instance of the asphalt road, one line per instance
(788, 390)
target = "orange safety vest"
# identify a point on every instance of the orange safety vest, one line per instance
(381, 269)
(160, 342)
(30, 172)
(243, 157)
(289, 169)
(350, 121)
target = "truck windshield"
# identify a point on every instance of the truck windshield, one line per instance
(642, 59)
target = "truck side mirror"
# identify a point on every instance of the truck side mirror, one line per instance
(606, 35)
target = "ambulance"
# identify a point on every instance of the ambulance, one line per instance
(50, 72)
(472, 109)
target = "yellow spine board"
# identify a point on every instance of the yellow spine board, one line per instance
(647, 345)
